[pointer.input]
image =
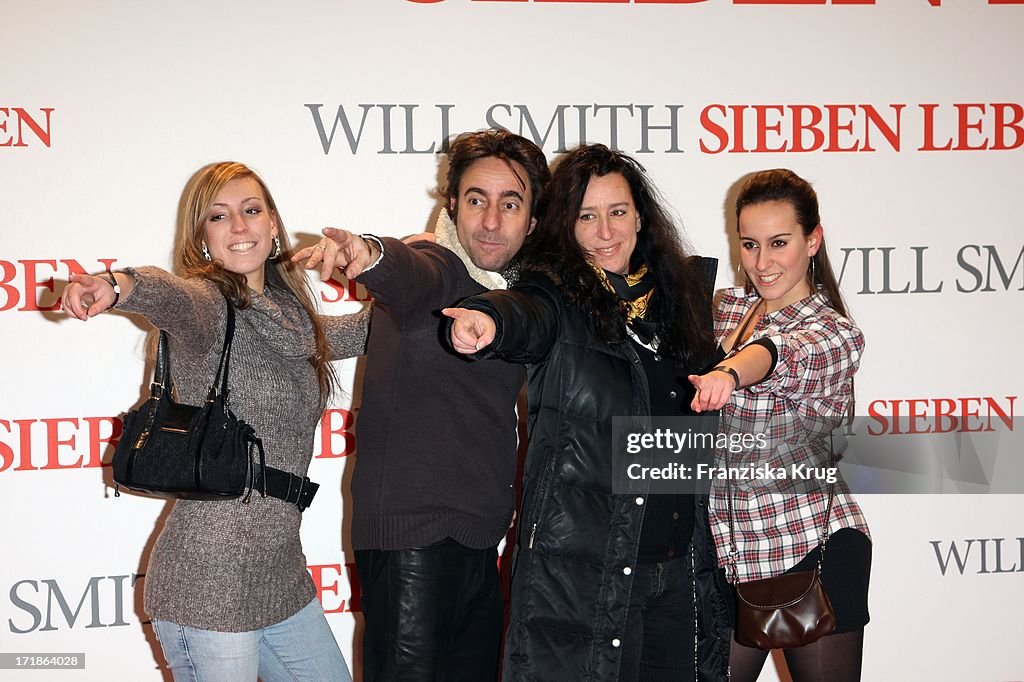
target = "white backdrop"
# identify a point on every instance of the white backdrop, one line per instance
(106, 108)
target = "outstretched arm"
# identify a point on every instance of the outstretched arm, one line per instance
(87, 296)
(813, 361)
(472, 330)
(347, 333)
(748, 366)
(406, 281)
(518, 325)
(340, 249)
(190, 309)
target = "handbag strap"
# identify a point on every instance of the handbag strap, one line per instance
(822, 536)
(225, 355)
(162, 370)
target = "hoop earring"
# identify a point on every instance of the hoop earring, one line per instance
(810, 271)
(206, 252)
(277, 249)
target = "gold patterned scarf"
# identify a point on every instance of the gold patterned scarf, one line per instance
(635, 290)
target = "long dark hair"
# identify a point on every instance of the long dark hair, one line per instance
(781, 184)
(681, 303)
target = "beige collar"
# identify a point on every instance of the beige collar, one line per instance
(445, 234)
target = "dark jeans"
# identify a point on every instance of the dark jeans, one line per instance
(659, 641)
(432, 613)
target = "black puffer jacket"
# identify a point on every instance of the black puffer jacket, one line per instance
(575, 538)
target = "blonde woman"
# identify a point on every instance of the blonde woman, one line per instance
(227, 587)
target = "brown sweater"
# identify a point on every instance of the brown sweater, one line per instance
(437, 434)
(225, 565)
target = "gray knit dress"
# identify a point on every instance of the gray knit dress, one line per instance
(226, 565)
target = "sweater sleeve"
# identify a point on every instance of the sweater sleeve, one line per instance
(815, 360)
(191, 310)
(347, 333)
(412, 277)
(527, 319)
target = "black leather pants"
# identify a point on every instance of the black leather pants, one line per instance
(432, 613)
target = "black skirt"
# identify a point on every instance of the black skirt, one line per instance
(844, 575)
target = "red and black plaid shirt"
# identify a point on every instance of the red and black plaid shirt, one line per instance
(804, 397)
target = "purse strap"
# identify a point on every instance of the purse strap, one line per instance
(225, 355)
(751, 317)
(162, 371)
(822, 536)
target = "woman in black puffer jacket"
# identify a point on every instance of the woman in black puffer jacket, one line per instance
(610, 315)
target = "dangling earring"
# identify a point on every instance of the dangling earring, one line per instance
(206, 252)
(277, 249)
(810, 266)
(741, 278)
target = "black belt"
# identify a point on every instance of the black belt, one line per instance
(297, 490)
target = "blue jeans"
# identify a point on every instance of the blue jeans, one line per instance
(301, 647)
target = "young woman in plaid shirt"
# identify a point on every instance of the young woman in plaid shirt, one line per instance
(789, 353)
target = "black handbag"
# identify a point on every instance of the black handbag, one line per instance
(168, 449)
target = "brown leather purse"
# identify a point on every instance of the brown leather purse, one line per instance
(784, 611)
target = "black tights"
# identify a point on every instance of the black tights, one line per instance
(835, 658)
